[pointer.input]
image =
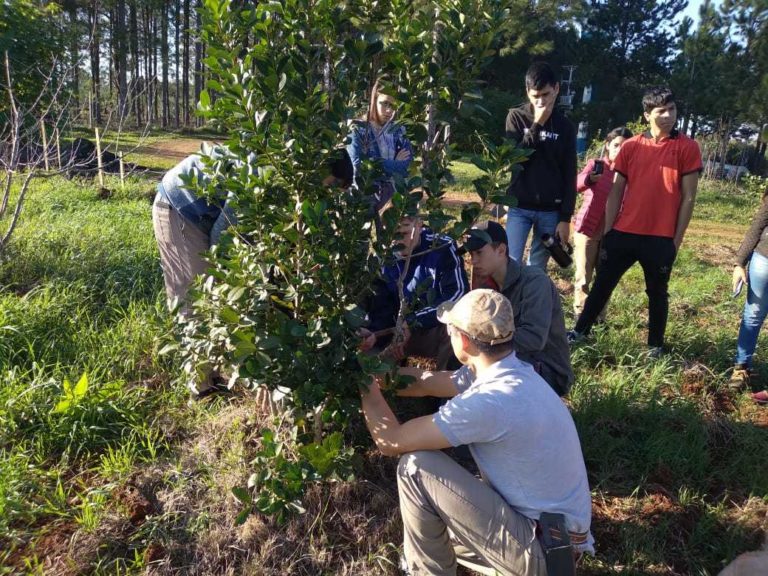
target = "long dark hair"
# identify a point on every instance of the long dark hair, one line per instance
(373, 115)
(620, 132)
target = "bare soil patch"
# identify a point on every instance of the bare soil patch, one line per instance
(174, 148)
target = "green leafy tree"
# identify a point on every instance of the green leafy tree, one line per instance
(282, 305)
(625, 47)
(749, 31)
(32, 55)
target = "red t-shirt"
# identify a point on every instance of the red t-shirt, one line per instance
(654, 173)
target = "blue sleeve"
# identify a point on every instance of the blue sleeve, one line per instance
(382, 306)
(452, 284)
(355, 147)
(226, 218)
(392, 167)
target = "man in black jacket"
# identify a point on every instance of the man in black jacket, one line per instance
(546, 188)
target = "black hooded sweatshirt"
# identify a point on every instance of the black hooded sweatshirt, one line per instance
(548, 179)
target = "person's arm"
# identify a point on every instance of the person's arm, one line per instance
(393, 438)
(402, 160)
(752, 237)
(587, 178)
(382, 305)
(689, 187)
(535, 315)
(226, 218)
(516, 128)
(452, 282)
(613, 203)
(355, 148)
(439, 384)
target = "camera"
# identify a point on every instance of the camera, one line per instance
(598, 169)
(556, 250)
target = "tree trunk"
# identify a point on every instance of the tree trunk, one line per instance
(112, 52)
(155, 81)
(75, 50)
(724, 133)
(95, 63)
(164, 56)
(185, 69)
(121, 59)
(198, 57)
(177, 20)
(136, 64)
(148, 86)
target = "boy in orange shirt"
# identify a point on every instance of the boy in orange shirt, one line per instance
(647, 214)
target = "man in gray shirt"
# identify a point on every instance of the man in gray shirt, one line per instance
(540, 336)
(520, 434)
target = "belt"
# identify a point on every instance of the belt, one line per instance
(577, 538)
(161, 204)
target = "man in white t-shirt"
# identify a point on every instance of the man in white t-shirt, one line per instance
(521, 436)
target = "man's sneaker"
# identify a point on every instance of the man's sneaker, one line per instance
(215, 387)
(739, 378)
(761, 397)
(574, 337)
(655, 352)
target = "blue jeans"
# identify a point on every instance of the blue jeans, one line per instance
(755, 310)
(519, 224)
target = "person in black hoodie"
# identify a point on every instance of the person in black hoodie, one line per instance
(545, 189)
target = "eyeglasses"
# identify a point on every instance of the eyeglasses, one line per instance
(453, 330)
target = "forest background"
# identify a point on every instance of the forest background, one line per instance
(143, 62)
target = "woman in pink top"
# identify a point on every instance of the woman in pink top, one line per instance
(590, 220)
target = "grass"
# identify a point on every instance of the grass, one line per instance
(128, 479)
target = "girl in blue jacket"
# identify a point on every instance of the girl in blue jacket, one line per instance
(377, 137)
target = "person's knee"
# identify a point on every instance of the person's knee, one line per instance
(413, 462)
(659, 293)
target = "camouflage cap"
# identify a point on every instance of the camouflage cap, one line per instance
(484, 315)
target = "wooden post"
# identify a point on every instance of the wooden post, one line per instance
(58, 145)
(122, 170)
(45, 144)
(98, 158)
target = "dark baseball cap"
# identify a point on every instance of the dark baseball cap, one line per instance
(484, 233)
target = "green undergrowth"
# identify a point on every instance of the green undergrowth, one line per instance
(114, 473)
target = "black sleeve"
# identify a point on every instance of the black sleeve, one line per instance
(515, 129)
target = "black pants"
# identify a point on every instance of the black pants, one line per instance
(620, 250)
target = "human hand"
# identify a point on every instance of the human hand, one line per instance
(739, 276)
(404, 154)
(397, 349)
(563, 232)
(594, 177)
(542, 114)
(367, 339)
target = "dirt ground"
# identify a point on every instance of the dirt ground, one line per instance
(175, 149)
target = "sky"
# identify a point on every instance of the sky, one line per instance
(693, 8)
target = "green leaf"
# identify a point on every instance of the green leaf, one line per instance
(81, 387)
(242, 494)
(243, 516)
(205, 100)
